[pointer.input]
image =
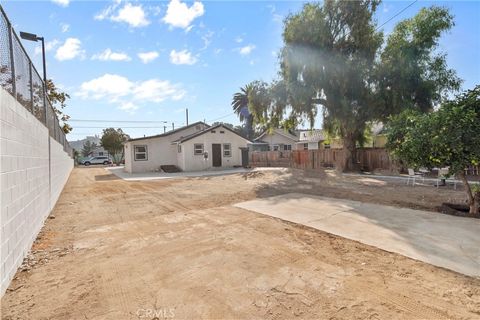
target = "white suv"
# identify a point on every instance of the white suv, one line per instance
(96, 160)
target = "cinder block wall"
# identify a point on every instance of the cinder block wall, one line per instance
(26, 199)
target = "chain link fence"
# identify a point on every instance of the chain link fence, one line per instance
(19, 77)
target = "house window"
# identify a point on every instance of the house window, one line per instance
(198, 149)
(275, 148)
(305, 146)
(213, 131)
(179, 148)
(222, 131)
(287, 147)
(227, 150)
(140, 153)
(100, 153)
(326, 146)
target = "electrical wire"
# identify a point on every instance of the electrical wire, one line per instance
(227, 115)
(122, 127)
(121, 121)
(397, 14)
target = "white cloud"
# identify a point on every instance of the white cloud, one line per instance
(275, 16)
(157, 91)
(129, 107)
(207, 39)
(109, 86)
(128, 94)
(245, 51)
(147, 57)
(179, 15)
(182, 57)
(70, 50)
(62, 3)
(107, 12)
(109, 55)
(65, 27)
(49, 46)
(134, 15)
(238, 39)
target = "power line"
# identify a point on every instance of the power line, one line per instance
(120, 121)
(81, 127)
(227, 115)
(398, 13)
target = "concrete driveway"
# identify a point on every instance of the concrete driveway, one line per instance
(441, 240)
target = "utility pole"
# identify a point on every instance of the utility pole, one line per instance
(173, 126)
(164, 129)
(186, 114)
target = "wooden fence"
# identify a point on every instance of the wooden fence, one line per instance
(369, 159)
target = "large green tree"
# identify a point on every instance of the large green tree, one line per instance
(113, 141)
(448, 137)
(412, 74)
(333, 63)
(328, 61)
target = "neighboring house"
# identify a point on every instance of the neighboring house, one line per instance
(149, 153)
(277, 140)
(214, 147)
(310, 139)
(379, 138)
(283, 140)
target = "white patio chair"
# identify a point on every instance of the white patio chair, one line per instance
(412, 176)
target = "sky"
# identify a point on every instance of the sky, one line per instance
(144, 61)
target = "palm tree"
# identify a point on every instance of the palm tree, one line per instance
(240, 107)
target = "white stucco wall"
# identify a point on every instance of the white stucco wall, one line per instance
(192, 162)
(26, 199)
(181, 158)
(160, 151)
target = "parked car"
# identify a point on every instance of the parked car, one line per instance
(96, 160)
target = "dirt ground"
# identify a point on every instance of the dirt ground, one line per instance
(177, 249)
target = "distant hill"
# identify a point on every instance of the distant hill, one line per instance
(78, 144)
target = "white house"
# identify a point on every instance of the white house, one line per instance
(214, 147)
(191, 148)
(310, 139)
(147, 154)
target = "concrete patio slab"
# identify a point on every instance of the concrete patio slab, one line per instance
(441, 240)
(122, 174)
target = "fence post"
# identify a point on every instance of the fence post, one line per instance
(31, 86)
(12, 62)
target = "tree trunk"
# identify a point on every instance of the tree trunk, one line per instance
(249, 125)
(473, 199)
(350, 149)
(476, 204)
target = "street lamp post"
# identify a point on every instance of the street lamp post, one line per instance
(35, 38)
